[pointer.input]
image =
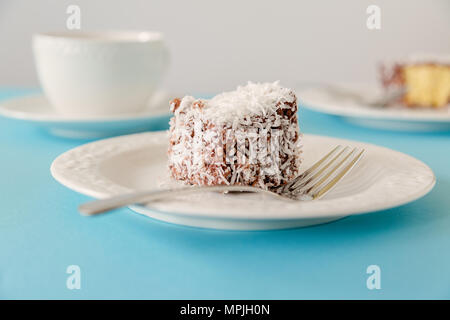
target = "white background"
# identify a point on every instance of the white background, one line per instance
(216, 45)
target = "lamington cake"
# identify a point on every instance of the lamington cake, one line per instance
(426, 80)
(249, 137)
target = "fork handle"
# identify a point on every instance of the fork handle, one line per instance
(104, 205)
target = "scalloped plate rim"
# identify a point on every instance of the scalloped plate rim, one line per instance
(68, 182)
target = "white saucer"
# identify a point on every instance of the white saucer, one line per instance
(382, 179)
(36, 110)
(397, 117)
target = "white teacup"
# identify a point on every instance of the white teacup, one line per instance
(101, 73)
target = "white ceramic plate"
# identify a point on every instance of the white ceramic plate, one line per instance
(382, 179)
(37, 110)
(393, 118)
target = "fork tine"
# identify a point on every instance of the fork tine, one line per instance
(340, 174)
(305, 186)
(327, 174)
(318, 163)
(293, 183)
(315, 174)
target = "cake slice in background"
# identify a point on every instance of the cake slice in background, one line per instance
(426, 79)
(249, 136)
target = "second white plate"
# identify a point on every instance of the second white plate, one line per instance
(392, 118)
(382, 179)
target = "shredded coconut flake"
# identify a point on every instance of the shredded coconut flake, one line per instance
(253, 99)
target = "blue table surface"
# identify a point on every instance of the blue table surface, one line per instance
(129, 256)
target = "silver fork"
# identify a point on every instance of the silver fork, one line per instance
(312, 184)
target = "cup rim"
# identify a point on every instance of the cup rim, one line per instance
(129, 36)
